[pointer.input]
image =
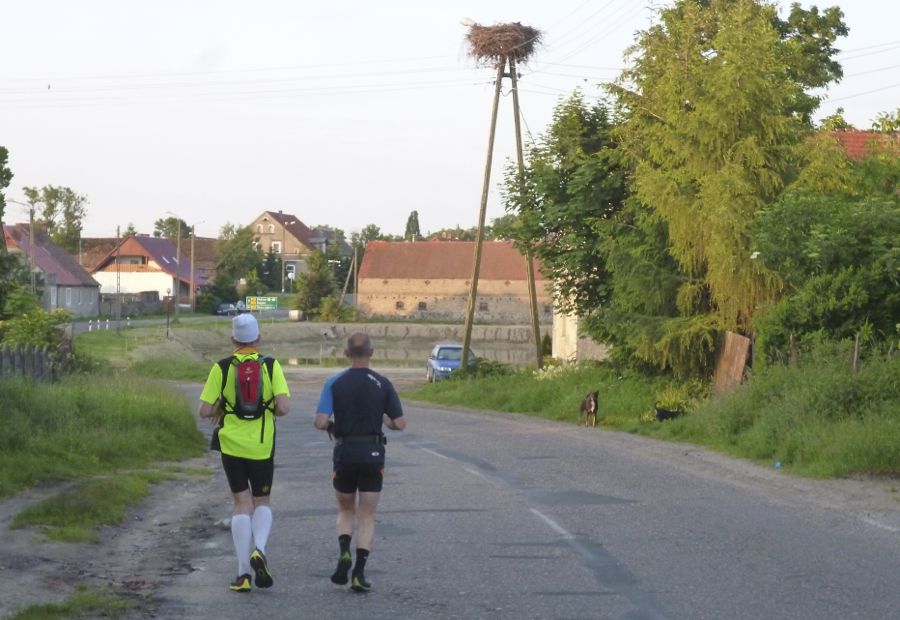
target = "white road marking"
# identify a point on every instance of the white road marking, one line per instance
(556, 527)
(878, 524)
(430, 451)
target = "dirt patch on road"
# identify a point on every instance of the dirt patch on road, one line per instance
(133, 559)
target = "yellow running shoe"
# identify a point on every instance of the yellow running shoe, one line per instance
(261, 567)
(241, 584)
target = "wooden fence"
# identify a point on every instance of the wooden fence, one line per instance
(40, 364)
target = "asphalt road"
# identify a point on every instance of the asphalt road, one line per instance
(503, 516)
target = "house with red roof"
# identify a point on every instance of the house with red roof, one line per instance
(65, 284)
(431, 280)
(859, 144)
(141, 264)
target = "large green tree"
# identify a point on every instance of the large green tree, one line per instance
(718, 97)
(60, 212)
(241, 255)
(169, 227)
(315, 285)
(605, 253)
(6, 176)
(412, 231)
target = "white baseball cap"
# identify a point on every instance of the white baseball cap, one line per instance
(244, 328)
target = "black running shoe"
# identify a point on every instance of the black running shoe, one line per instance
(261, 567)
(360, 584)
(241, 584)
(343, 567)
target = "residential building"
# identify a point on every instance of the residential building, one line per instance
(431, 280)
(141, 264)
(65, 284)
(286, 235)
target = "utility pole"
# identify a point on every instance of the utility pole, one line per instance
(193, 296)
(529, 264)
(479, 237)
(176, 288)
(502, 45)
(118, 279)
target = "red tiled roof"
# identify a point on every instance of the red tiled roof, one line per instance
(437, 260)
(858, 143)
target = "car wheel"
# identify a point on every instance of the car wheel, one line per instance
(429, 376)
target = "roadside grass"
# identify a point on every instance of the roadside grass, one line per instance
(84, 603)
(90, 425)
(555, 393)
(173, 368)
(74, 515)
(816, 418)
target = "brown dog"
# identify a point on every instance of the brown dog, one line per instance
(589, 408)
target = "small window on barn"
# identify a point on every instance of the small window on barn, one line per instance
(423, 305)
(259, 228)
(271, 228)
(384, 281)
(548, 309)
(482, 306)
(399, 305)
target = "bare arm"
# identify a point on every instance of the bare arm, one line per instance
(212, 412)
(397, 424)
(282, 405)
(321, 421)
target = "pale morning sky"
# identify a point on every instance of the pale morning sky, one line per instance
(344, 113)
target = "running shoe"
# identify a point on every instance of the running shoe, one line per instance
(261, 567)
(343, 567)
(241, 584)
(360, 584)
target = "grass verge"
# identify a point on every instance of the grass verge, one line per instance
(84, 603)
(90, 425)
(72, 516)
(816, 418)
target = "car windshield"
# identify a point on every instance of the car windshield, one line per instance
(449, 354)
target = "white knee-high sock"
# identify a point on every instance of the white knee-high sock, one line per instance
(242, 534)
(262, 526)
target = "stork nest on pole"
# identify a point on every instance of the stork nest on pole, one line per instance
(491, 45)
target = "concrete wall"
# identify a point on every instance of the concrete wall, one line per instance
(569, 346)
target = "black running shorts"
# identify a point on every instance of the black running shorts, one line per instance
(352, 477)
(246, 474)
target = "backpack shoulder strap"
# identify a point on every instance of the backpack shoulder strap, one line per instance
(269, 362)
(224, 365)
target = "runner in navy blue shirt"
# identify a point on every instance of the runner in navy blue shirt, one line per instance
(352, 408)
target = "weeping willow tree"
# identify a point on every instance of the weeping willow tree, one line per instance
(717, 102)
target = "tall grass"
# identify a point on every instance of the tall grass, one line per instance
(817, 418)
(89, 425)
(555, 393)
(84, 603)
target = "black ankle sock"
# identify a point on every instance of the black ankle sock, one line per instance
(361, 556)
(344, 542)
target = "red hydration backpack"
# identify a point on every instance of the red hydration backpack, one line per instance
(249, 403)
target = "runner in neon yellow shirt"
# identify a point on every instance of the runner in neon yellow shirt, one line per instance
(248, 452)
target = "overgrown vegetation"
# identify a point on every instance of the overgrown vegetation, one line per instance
(817, 416)
(89, 425)
(73, 515)
(84, 603)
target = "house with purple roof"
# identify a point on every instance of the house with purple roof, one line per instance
(142, 264)
(65, 284)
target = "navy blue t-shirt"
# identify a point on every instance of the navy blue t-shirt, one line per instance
(357, 398)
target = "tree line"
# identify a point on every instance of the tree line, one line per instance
(698, 196)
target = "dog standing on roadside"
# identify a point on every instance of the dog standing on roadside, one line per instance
(589, 408)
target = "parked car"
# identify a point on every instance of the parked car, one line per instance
(227, 309)
(444, 358)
